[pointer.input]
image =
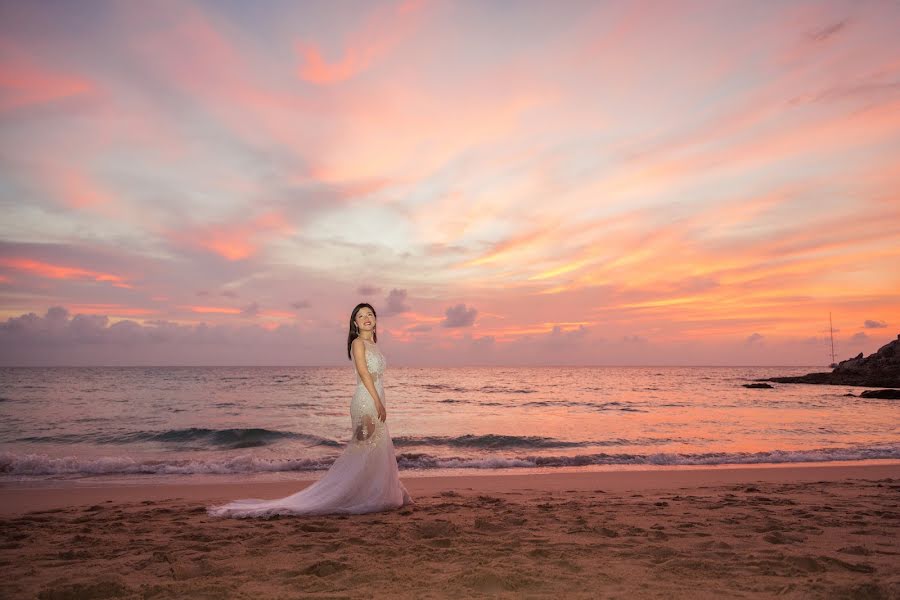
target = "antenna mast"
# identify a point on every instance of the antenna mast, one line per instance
(831, 331)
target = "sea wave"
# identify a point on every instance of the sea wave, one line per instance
(485, 389)
(12, 464)
(426, 461)
(614, 405)
(494, 441)
(220, 439)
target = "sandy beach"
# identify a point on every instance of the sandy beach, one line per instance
(818, 531)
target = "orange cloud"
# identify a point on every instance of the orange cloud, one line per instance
(51, 271)
(112, 310)
(380, 133)
(235, 241)
(277, 314)
(517, 243)
(214, 310)
(815, 137)
(227, 310)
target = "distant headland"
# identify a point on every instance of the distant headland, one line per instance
(881, 369)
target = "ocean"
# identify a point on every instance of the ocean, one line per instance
(151, 424)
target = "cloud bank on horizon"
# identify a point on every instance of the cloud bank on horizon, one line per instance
(595, 183)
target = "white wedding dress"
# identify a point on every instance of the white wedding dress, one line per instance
(363, 479)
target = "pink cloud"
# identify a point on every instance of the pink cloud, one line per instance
(384, 28)
(222, 310)
(235, 240)
(23, 82)
(54, 271)
(744, 184)
(77, 190)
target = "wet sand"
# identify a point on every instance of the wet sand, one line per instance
(817, 531)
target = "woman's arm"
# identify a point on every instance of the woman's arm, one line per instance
(357, 347)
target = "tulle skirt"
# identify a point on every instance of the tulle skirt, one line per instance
(363, 479)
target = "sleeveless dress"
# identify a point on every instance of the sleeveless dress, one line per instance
(363, 479)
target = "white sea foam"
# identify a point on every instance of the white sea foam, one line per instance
(12, 464)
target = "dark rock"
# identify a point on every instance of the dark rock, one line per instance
(881, 369)
(885, 394)
(758, 386)
(851, 364)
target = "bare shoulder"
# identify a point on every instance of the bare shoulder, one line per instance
(358, 346)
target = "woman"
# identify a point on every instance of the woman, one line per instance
(364, 478)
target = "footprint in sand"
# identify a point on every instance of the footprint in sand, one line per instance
(606, 532)
(857, 550)
(105, 587)
(782, 537)
(319, 527)
(490, 500)
(491, 582)
(569, 566)
(325, 568)
(435, 529)
(482, 524)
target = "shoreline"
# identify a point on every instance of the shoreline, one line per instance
(823, 531)
(37, 496)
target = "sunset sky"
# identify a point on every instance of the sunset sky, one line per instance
(508, 183)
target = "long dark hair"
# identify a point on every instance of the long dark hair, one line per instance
(354, 332)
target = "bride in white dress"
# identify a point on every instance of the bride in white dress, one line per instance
(364, 478)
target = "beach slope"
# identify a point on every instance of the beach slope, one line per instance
(791, 532)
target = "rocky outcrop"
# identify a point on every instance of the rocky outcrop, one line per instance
(882, 394)
(881, 369)
(762, 386)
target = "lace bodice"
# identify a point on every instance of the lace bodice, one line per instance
(375, 361)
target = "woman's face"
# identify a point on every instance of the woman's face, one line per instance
(365, 319)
